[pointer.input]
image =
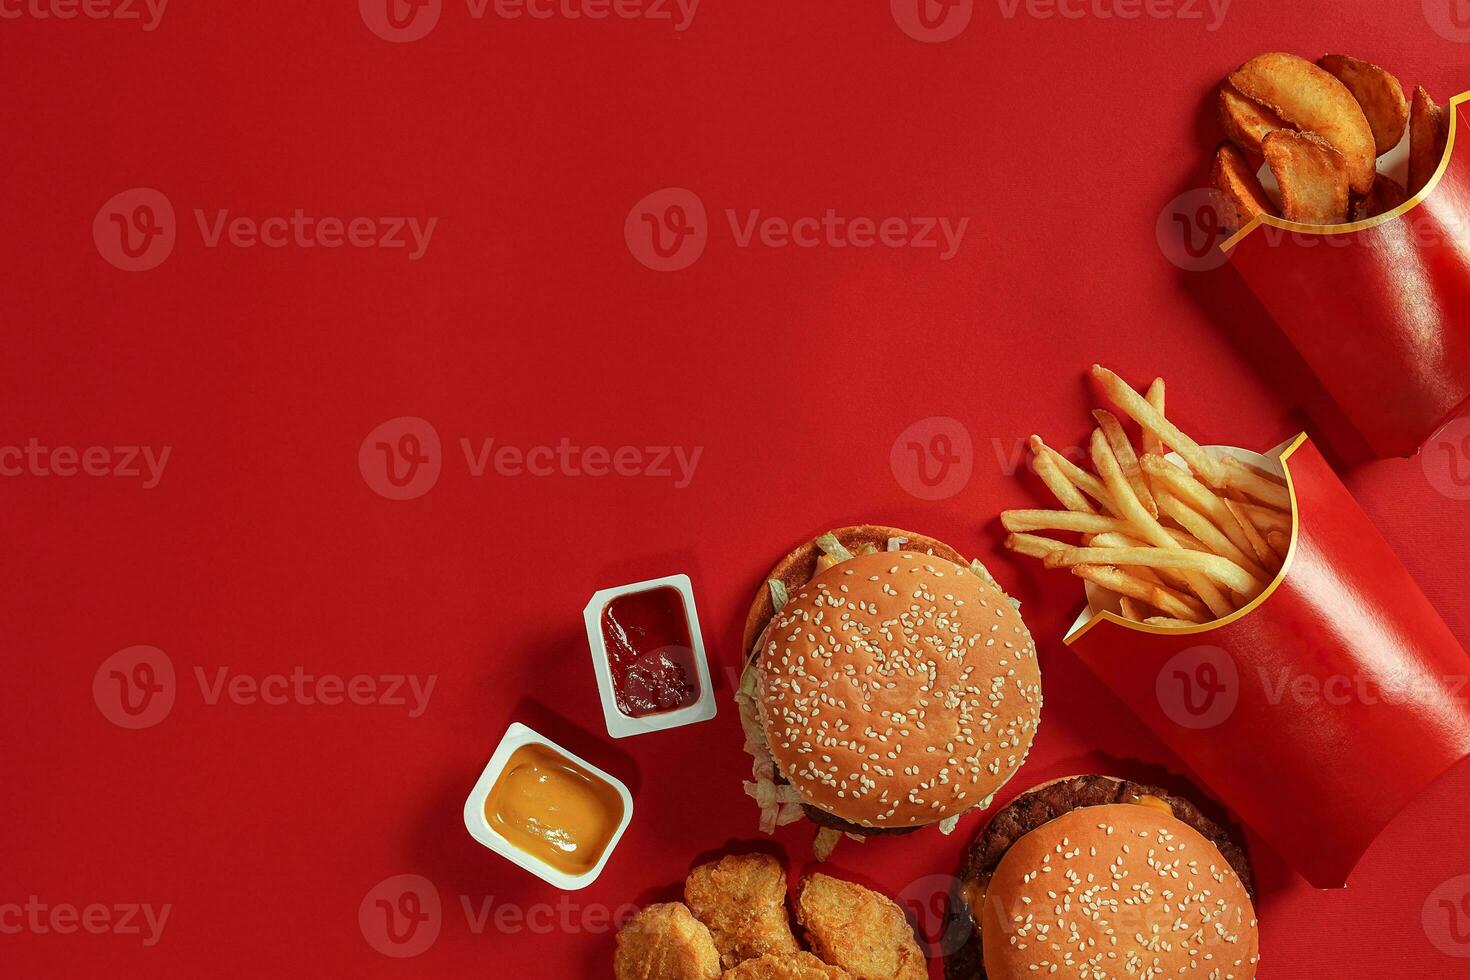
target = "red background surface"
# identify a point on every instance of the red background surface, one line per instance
(528, 320)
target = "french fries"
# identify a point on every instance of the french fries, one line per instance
(1379, 93)
(1429, 131)
(1217, 531)
(1383, 198)
(1313, 177)
(1313, 101)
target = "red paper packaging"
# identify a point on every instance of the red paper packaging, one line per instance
(1380, 309)
(1319, 710)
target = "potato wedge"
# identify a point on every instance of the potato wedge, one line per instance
(1383, 198)
(1312, 100)
(1313, 177)
(1244, 196)
(1246, 123)
(1378, 92)
(1429, 130)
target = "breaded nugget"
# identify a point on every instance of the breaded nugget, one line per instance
(859, 930)
(799, 966)
(742, 898)
(666, 942)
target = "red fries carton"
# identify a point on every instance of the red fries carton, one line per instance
(1380, 309)
(1320, 709)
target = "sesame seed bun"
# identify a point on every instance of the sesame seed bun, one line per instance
(897, 689)
(1028, 834)
(797, 568)
(1117, 890)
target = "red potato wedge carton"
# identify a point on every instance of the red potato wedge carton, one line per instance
(1380, 308)
(1320, 709)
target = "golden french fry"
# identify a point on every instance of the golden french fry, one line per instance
(1163, 599)
(1240, 477)
(1246, 122)
(1183, 485)
(1140, 411)
(1266, 518)
(1221, 570)
(1383, 198)
(1158, 576)
(1060, 520)
(1154, 397)
(1429, 133)
(1112, 430)
(1151, 530)
(1312, 175)
(1310, 99)
(1076, 475)
(1034, 545)
(1279, 543)
(1258, 543)
(1208, 534)
(1132, 609)
(1378, 92)
(1170, 623)
(1064, 490)
(1235, 178)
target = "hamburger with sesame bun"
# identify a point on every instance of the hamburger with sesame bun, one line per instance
(1093, 877)
(889, 684)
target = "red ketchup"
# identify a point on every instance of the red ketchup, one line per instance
(649, 652)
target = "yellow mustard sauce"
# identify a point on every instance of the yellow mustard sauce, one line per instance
(553, 809)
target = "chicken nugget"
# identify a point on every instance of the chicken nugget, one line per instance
(798, 966)
(859, 930)
(666, 942)
(742, 898)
